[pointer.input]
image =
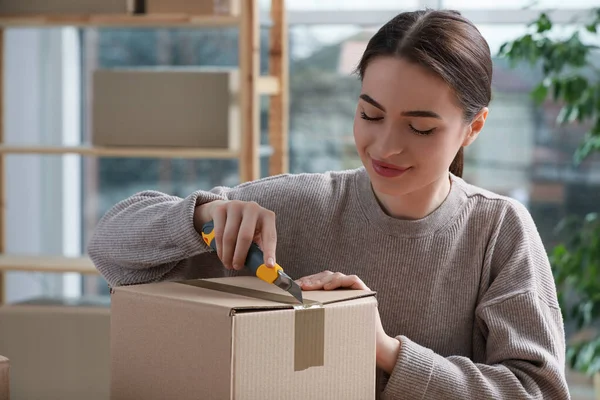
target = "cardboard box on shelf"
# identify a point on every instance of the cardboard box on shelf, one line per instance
(70, 7)
(166, 107)
(240, 338)
(192, 7)
(4, 378)
(58, 348)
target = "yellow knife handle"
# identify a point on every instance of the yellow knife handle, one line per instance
(254, 260)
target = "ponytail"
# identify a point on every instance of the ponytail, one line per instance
(456, 167)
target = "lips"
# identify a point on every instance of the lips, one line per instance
(388, 170)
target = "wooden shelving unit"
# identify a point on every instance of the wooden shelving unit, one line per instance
(130, 152)
(50, 264)
(253, 85)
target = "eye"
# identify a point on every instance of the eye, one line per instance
(367, 118)
(422, 133)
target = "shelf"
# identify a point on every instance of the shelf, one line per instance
(50, 264)
(130, 152)
(118, 20)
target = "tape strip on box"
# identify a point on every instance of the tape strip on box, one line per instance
(309, 320)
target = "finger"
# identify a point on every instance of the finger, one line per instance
(316, 281)
(219, 216)
(345, 281)
(334, 281)
(268, 234)
(244, 238)
(230, 234)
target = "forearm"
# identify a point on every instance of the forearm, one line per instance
(421, 373)
(147, 230)
(388, 349)
(520, 363)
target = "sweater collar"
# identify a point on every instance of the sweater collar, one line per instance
(430, 224)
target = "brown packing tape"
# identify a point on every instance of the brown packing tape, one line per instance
(309, 321)
(309, 337)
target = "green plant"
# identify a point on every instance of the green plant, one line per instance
(576, 268)
(570, 78)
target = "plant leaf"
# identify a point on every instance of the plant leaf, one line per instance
(589, 145)
(539, 93)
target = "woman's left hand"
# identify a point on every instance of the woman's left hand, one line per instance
(387, 347)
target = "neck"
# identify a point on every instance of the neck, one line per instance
(418, 204)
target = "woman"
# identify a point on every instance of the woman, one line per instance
(467, 302)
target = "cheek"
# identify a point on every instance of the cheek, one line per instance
(439, 151)
(361, 134)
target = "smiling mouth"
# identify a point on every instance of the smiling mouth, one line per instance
(388, 170)
(390, 166)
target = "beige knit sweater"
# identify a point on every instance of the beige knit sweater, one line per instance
(467, 290)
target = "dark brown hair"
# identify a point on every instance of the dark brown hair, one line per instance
(445, 43)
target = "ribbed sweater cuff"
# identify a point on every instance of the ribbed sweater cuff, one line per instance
(411, 375)
(180, 218)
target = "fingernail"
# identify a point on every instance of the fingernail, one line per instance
(271, 262)
(236, 266)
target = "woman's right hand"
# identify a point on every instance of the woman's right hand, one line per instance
(236, 225)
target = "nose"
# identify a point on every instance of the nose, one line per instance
(390, 142)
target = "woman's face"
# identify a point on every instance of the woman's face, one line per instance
(408, 126)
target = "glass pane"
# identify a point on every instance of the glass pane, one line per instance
(516, 4)
(43, 216)
(114, 179)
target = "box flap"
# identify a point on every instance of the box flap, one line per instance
(250, 293)
(241, 293)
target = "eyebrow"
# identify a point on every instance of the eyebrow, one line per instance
(414, 113)
(370, 100)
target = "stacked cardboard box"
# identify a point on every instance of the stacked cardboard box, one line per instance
(86, 7)
(58, 348)
(193, 7)
(50, 7)
(240, 338)
(166, 107)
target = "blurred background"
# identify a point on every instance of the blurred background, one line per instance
(54, 201)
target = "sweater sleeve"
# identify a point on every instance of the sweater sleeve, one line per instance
(519, 319)
(150, 235)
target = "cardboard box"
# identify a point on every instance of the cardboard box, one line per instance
(58, 348)
(240, 338)
(166, 107)
(4, 378)
(192, 7)
(71, 7)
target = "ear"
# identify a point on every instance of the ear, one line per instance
(475, 127)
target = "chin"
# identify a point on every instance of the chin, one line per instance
(391, 189)
(396, 186)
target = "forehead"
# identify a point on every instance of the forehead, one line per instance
(400, 85)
